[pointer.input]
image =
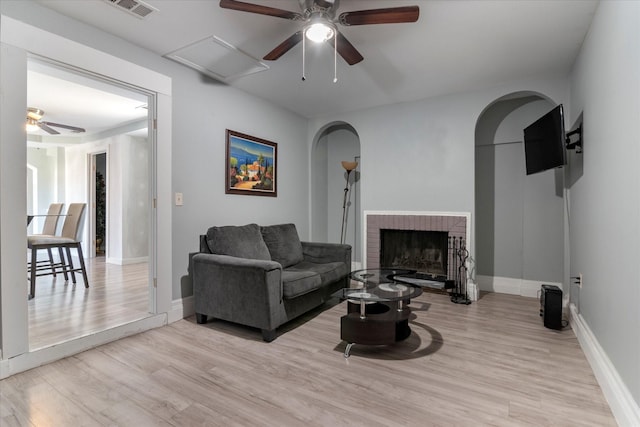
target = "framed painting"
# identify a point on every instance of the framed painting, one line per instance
(251, 165)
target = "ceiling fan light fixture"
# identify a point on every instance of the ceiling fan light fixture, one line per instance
(34, 113)
(319, 32)
(319, 24)
(32, 125)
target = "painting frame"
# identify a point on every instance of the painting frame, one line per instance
(250, 165)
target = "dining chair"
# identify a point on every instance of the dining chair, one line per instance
(70, 237)
(48, 229)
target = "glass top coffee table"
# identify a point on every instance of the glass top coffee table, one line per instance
(377, 310)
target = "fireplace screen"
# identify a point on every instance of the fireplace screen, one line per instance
(424, 251)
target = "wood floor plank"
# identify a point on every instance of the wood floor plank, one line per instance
(62, 311)
(491, 363)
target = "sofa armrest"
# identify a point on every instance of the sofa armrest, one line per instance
(327, 252)
(241, 290)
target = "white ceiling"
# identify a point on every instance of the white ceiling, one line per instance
(456, 46)
(77, 100)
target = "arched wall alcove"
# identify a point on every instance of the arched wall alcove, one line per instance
(519, 218)
(333, 143)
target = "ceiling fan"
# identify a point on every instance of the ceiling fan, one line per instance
(319, 18)
(34, 122)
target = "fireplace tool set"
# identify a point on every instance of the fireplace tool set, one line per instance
(460, 254)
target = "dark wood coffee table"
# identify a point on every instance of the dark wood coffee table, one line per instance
(377, 310)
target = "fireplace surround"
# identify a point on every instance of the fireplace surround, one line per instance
(455, 224)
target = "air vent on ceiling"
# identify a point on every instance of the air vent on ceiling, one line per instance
(136, 8)
(218, 59)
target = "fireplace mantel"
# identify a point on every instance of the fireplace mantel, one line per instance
(457, 224)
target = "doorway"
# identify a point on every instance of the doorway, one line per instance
(519, 217)
(25, 42)
(99, 204)
(110, 170)
(335, 201)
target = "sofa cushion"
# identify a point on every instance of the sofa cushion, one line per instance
(283, 243)
(329, 272)
(299, 282)
(239, 241)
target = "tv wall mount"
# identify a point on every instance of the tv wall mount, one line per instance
(576, 144)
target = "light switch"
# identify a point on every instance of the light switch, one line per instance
(179, 199)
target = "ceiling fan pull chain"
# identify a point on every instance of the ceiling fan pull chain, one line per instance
(303, 55)
(335, 59)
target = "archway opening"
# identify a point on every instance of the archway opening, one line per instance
(333, 144)
(519, 218)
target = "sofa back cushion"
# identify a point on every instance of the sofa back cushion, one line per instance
(243, 241)
(283, 243)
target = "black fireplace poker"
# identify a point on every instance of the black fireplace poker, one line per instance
(460, 295)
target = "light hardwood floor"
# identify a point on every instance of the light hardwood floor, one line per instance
(61, 311)
(489, 363)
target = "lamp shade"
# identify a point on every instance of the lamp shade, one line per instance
(349, 166)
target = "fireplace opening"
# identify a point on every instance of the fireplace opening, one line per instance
(423, 251)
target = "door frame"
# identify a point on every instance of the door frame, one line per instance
(19, 40)
(91, 161)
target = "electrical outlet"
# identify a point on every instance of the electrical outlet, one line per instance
(577, 280)
(179, 201)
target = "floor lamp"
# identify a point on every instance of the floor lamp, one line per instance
(349, 167)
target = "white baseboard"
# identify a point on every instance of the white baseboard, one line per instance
(513, 286)
(40, 357)
(127, 261)
(625, 409)
(181, 308)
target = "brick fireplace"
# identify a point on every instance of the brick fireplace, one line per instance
(456, 225)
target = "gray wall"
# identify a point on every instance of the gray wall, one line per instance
(519, 218)
(319, 199)
(13, 199)
(604, 200)
(199, 163)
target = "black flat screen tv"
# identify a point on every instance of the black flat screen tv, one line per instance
(544, 142)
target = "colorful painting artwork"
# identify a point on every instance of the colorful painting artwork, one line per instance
(250, 165)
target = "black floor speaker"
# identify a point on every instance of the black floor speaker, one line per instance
(551, 306)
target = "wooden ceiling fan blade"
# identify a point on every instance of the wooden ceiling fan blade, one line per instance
(58, 125)
(392, 15)
(259, 9)
(47, 129)
(346, 50)
(284, 47)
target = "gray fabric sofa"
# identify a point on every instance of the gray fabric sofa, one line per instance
(264, 276)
